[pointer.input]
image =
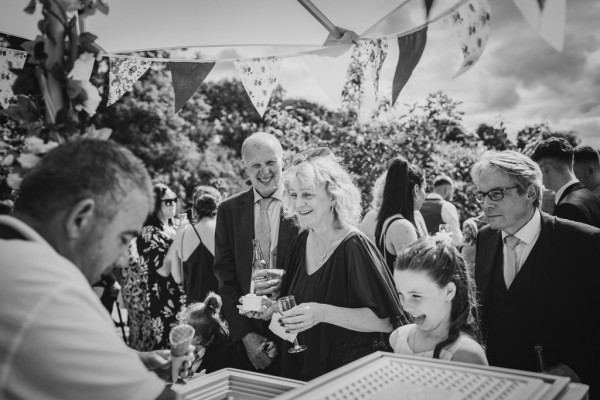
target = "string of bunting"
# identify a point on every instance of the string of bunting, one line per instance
(469, 20)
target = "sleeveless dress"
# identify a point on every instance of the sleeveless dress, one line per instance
(354, 276)
(399, 342)
(165, 297)
(198, 276)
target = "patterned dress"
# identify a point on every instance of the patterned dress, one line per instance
(165, 297)
(134, 289)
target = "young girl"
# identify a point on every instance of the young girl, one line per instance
(436, 289)
(212, 334)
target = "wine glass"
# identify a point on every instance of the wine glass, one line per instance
(287, 303)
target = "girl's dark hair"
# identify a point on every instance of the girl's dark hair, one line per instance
(443, 263)
(397, 196)
(159, 190)
(206, 200)
(205, 318)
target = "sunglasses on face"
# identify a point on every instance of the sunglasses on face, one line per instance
(170, 202)
(309, 155)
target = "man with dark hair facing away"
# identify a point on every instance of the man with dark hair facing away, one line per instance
(587, 168)
(573, 200)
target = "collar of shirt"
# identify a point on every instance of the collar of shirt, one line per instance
(560, 191)
(529, 233)
(434, 196)
(277, 195)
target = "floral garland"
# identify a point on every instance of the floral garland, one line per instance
(55, 100)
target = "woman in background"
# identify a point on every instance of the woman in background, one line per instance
(164, 295)
(194, 247)
(398, 221)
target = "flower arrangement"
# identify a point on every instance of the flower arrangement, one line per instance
(55, 99)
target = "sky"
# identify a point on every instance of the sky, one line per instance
(519, 79)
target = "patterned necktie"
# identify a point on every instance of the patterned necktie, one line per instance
(263, 230)
(510, 266)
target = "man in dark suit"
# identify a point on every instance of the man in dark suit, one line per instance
(587, 167)
(537, 275)
(237, 225)
(573, 200)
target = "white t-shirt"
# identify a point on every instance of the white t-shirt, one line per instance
(57, 341)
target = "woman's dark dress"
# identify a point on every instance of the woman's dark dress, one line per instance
(198, 276)
(165, 297)
(354, 276)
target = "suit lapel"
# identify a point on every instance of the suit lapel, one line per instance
(244, 237)
(491, 251)
(570, 189)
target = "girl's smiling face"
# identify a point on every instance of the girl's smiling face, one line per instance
(421, 297)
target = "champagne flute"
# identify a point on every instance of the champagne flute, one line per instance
(287, 303)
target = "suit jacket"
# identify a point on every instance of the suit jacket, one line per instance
(233, 257)
(578, 203)
(565, 300)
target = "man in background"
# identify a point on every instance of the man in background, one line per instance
(437, 209)
(587, 167)
(573, 200)
(77, 211)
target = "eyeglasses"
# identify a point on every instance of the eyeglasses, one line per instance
(309, 155)
(494, 194)
(170, 202)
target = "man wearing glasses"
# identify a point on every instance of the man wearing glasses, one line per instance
(254, 213)
(536, 274)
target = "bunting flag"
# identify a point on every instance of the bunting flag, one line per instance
(9, 59)
(329, 68)
(259, 77)
(547, 18)
(428, 5)
(123, 74)
(375, 52)
(187, 77)
(471, 23)
(410, 51)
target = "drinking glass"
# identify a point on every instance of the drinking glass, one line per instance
(287, 303)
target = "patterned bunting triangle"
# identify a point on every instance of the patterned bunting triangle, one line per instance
(259, 77)
(123, 74)
(471, 23)
(410, 51)
(375, 51)
(187, 77)
(9, 59)
(428, 5)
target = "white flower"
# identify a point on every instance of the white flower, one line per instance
(28, 160)
(71, 5)
(36, 145)
(84, 96)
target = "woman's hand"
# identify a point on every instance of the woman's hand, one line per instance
(268, 307)
(303, 317)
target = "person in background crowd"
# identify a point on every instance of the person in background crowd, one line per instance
(471, 227)
(212, 334)
(77, 211)
(253, 213)
(532, 269)
(437, 209)
(587, 167)
(573, 200)
(165, 296)
(403, 194)
(346, 303)
(369, 221)
(194, 247)
(437, 290)
(134, 291)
